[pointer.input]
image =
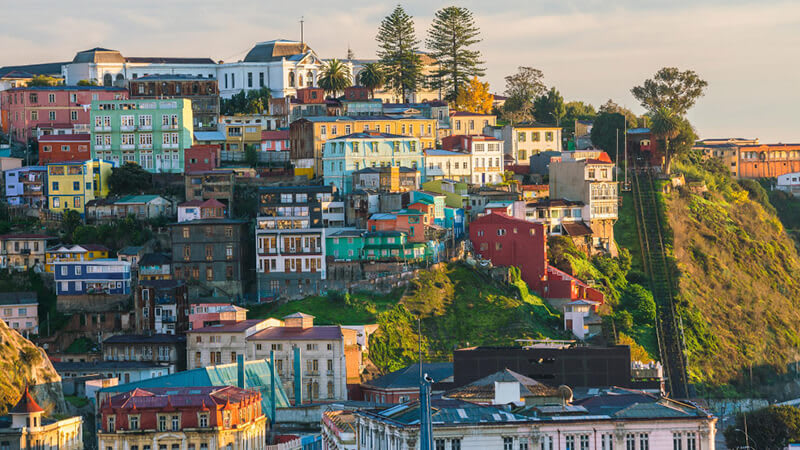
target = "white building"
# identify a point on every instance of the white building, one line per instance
(578, 315)
(789, 182)
(222, 343)
(486, 157)
(524, 140)
(448, 164)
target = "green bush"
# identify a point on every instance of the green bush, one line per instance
(639, 302)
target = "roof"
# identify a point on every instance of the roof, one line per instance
(137, 199)
(6, 237)
(440, 152)
(408, 377)
(26, 404)
(130, 250)
(102, 366)
(554, 202)
(576, 228)
(77, 248)
(383, 216)
(145, 339)
(299, 315)
(229, 326)
(77, 137)
(638, 131)
(209, 222)
(371, 135)
(209, 136)
(194, 396)
(18, 298)
(359, 118)
(168, 60)
(485, 387)
(446, 411)
(275, 50)
(467, 113)
(154, 259)
(534, 125)
(171, 77)
(34, 69)
(271, 135)
(257, 375)
(400, 169)
(347, 233)
(62, 87)
(98, 55)
(333, 332)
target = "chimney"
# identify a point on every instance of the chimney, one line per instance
(240, 371)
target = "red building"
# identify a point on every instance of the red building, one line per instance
(64, 147)
(507, 241)
(35, 111)
(311, 95)
(275, 141)
(409, 221)
(201, 158)
(356, 93)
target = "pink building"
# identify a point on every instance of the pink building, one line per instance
(207, 314)
(20, 311)
(36, 111)
(275, 141)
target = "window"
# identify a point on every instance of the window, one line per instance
(644, 441)
(162, 423)
(51, 115)
(455, 444)
(691, 441)
(439, 444)
(501, 231)
(570, 443)
(607, 442)
(630, 441)
(176, 423)
(111, 425)
(584, 439)
(47, 148)
(203, 421)
(546, 443)
(523, 444)
(133, 422)
(34, 115)
(249, 79)
(677, 441)
(508, 443)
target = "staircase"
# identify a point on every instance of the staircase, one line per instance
(669, 329)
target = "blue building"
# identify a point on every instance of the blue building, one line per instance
(99, 276)
(347, 154)
(27, 186)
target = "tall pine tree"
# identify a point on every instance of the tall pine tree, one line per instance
(398, 50)
(451, 38)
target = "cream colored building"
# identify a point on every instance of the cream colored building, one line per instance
(470, 124)
(26, 427)
(448, 164)
(323, 351)
(221, 344)
(527, 139)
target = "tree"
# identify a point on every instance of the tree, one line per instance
(769, 428)
(129, 179)
(398, 49)
(550, 107)
(608, 131)
(43, 80)
(87, 83)
(251, 155)
(611, 107)
(450, 37)
(395, 344)
(666, 125)
(371, 77)
(671, 89)
(475, 97)
(521, 89)
(70, 221)
(639, 302)
(335, 77)
(252, 102)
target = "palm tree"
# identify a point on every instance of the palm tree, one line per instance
(371, 77)
(666, 125)
(335, 77)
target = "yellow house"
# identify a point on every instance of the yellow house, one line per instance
(240, 131)
(524, 140)
(72, 184)
(63, 253)
(470, 124)
(307, 136)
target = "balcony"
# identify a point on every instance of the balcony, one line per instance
(127, 146)
(170, 145)
(145, 146)
(145, 127)
(102, 128)
(169, 127)
(102, 147)
(127, 128)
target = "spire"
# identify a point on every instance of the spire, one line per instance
(26, 404)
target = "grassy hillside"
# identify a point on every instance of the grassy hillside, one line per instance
(458, 305)
(739, 279)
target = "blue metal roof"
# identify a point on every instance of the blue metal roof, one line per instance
(209, 136)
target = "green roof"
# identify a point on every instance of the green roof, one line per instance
(256, 375)
(137, 199)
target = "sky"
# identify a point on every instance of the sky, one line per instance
(590, 50)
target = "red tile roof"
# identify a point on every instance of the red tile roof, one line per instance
(171, 397)
(275, 135)
(79, 137)
(26, 404)
(467, 113)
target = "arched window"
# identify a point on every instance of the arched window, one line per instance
(291, 78)
(107, 79)
(309, 79)
(331, 394)
(300, 80)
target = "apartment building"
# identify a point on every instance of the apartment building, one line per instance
(27, 186)
(486, 161)
(20, 311)
(73, 184)
(202, 91)
(221, 343)
(153, 133)
(162, 307)
(469, 123)
(66, 252)
(524, 140)
(64, 147)
(23, 251)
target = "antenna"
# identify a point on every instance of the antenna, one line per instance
(302, 20)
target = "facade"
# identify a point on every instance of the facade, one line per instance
(20, 311)
(241, 131)
(192, 417)
(73, 184)
(152, 133)
(211, 255)
(202, 91)
(162, 307)
(592, 182)
(201, 158)
(66, 252)
(486, 157)
(198, 209)
(580, 317)
(561, 218)
(386, 179)
(221, 343)
(131, 254)
(470, 124)
(524, 140)
(155, 266)
(768, 160)
(27, 186)
(207, 312)
(323, 365)
(308, 136)
(26, 427)
(789, 182)
(338, 431)
(216, 184)
(448, 164)
(160, 349)
(23, 251)
(345, 155)
(275, 141)
(143, 207)
(402, 385)
(97, 277)
(290, 238)
(64, 147)
(36, 111)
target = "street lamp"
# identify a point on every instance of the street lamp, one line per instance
(747, 438)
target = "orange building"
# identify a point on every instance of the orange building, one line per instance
(409, 221)
(768, 160)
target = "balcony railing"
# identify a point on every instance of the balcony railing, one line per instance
(145, 127)
(144, 146)
(127, 127)
(169, 127)
(101, 128)
(127, 146)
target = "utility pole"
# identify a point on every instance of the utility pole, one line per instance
(425, 419)
(625, 144)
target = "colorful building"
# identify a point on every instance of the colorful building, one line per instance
(99, 276)
(768, 160)
(524, 140)
(308, 135)
(448, 165)
(469, 123)
(202, 91)
(486, 156)
(65, 253)
(27, 186)
(152, 133)
(64, 147)
(275, 141)
(25, 426)
(198, 209)
(177, 417)
(386, 179)
(36, 111)
(345, 245)
(23, 251)
(241, 131)
(201, 158)
(207, 312)
(347, 154)
(20, 311)
(72, 184)
(393, 246)
(162, 306)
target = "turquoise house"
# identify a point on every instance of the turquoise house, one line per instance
(345, 245)
(438, 201)
(393, 246)
(344, 155)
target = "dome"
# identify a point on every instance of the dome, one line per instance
(98, 55)
(276, 50)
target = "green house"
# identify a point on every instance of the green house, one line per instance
(153, 133)
(345, 245)
(392, 246)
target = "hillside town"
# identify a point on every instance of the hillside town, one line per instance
(323, 252)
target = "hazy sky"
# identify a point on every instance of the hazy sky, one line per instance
(591, 50)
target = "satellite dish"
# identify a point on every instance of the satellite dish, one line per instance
(565, 392)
